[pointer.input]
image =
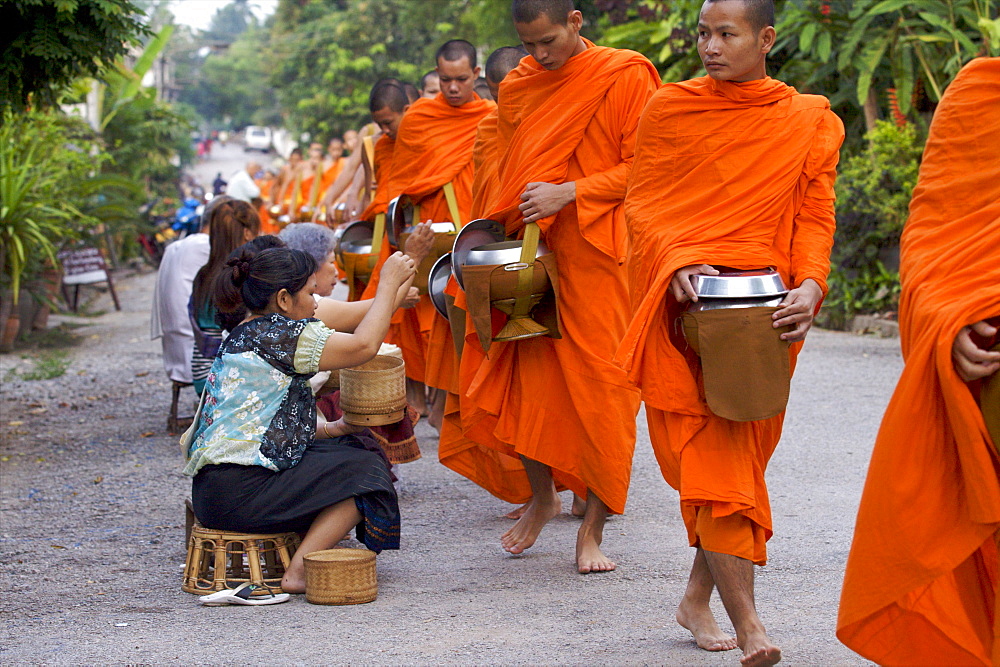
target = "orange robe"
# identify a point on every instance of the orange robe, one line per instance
(267, 226)
(459, 445)
(562, 402)
(433, 147)
(485, 162)
(921, 582)
(738, 175)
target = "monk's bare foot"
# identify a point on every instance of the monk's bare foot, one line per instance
(758, 651)
(435, 420)
(290, 583)
(524, 533)
(579, 506)
(516, 514)
(589, 557)
(699, 621)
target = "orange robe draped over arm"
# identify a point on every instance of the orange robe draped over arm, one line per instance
(461, 446)
(739, 175)
(563, 402)
(921, 579)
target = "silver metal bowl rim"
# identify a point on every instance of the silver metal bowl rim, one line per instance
(437, 298)
(348, 235)
(756, 286)
(457, 254)
(705, 303)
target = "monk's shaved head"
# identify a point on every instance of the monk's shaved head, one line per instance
(527, 11)
(454, 50)
(411, 92)
(502, 61)
(388, 93)
(759, 13)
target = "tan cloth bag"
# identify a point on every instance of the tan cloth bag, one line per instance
(744, 362)
(484, 284)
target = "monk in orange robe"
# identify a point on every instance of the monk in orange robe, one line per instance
(285, 193)
(732, 169)
(433, 149)
(310, 183)
(921, 582)
(566, 136)
(460, 446)
(266, 183)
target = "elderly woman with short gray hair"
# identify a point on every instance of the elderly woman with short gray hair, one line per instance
(321, 243)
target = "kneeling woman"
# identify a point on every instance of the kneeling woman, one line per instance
(261, 461)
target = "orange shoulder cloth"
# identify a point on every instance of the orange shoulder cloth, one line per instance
(433, 144)
(543, 116)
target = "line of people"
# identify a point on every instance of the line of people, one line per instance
(637, 188)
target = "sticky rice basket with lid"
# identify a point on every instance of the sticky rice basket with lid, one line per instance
(374, 393)
(341, 576)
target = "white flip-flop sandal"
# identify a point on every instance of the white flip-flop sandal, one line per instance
(244, 594)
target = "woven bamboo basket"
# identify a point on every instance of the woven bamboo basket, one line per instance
(374, 393)
(341, 576)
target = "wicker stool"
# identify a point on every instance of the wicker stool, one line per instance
(175, 425)
(220, 559)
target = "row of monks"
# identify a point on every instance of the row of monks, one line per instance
(635, 186)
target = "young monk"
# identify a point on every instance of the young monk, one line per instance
(566, 135)
(433, 153)
(287, 185)
(460, 445)
(354, 174)
(742, 167)
(310, 181)
(430, 85)
(921, 582)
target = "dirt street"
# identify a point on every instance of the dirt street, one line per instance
(93, 546)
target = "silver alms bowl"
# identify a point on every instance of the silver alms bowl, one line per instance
(437, 281)
(504, 252)
(755, 284)
(473, 235)
(356, 238)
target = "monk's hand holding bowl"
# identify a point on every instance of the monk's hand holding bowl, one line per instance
(544, 199)
(680, 284)
(971, 361)
(420, 241)
(798, 308)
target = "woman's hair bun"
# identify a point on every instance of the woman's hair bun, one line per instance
(240, 269)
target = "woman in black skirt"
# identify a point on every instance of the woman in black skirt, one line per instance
(260, 458)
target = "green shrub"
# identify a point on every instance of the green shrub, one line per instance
(873, 196)
(874, 188)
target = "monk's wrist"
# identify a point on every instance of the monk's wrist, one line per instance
(569, 190)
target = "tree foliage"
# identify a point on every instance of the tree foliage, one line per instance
(55, 42)
(46, 175)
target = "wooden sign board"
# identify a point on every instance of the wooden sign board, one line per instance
(85, 266)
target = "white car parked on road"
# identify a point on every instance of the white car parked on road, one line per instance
(258, 138)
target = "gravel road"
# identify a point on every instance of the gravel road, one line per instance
(93, 538)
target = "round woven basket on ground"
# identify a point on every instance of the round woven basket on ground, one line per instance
(341, 576)
(374, 393)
